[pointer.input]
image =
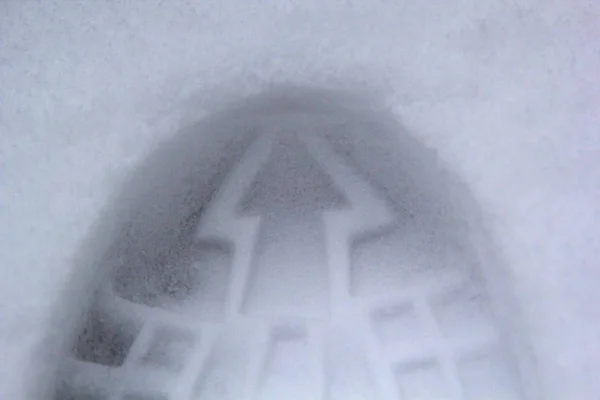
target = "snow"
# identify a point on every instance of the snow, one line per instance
(506, 93)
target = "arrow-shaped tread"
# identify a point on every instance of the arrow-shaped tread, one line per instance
(296, 307)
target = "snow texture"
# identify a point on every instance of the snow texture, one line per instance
(506, 92)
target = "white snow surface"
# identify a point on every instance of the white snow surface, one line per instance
(507, 92)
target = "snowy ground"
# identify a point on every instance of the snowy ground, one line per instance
(507, 93)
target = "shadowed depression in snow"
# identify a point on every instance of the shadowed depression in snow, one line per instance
(300, 245)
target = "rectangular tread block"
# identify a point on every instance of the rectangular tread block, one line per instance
(488, 375)
(168, 349)
(423, 380)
